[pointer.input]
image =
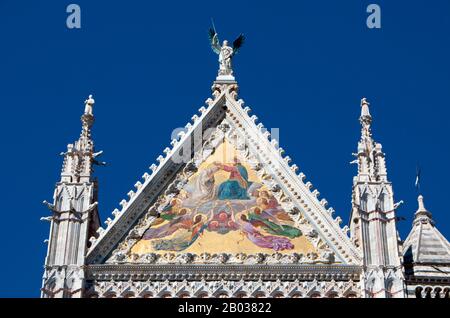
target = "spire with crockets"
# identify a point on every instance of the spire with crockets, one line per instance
(370, 158)
(74, 216)
(80, 156)
(373, 219)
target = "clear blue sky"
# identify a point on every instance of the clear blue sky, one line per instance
(304, 68)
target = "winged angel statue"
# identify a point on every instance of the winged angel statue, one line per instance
(225, 52)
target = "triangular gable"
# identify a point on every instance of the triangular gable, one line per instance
(224, 122)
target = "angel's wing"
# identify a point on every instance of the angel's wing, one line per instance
(237, 44)
(214, 40)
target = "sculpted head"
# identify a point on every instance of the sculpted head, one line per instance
(225, 43)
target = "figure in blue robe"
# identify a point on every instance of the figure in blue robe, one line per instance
(235, 188)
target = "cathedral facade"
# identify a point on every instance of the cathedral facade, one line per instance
(225, 213)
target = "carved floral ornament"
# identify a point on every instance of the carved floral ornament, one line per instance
(222, 132)
(224, 288)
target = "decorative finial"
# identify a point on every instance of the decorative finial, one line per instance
(422, 214)
(225, 52)
(421, 204)
(88, 105)
(365, 108)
